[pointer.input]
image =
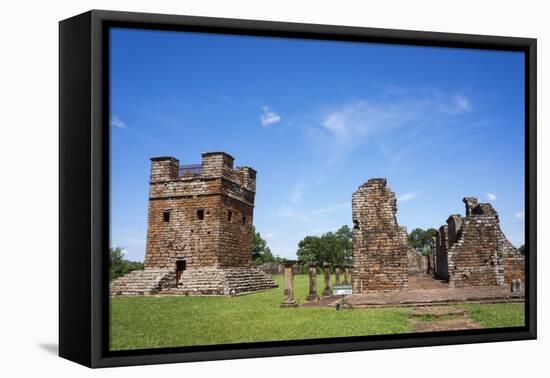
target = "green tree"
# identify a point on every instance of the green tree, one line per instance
(261, 253)
(119, 266)
(335, 248)
(421, 240)
(309, 249)
(521, 249)
(345, 237)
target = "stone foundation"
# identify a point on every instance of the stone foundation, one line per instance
(142, 282)
(201, 281)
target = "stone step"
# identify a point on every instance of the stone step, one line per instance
(141, 282)
(203, 281)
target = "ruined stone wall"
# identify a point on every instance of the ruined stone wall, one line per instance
(432, 261)
(204, 217)
(442, 270)
(481, 254)
(379, 255)
(513, 260)
(454, 229)
(475, 259)
(417, 264)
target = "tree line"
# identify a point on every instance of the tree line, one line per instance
(119, 266)
(335, 248)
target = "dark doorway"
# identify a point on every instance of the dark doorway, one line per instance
(180, 267)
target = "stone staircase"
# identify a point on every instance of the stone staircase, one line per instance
(248, 280)
(143, 282)
(215, 281)
(202, 281)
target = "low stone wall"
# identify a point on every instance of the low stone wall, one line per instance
(417, 264)
(272, 268)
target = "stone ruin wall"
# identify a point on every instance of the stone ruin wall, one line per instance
(379, 254)
(476, 250)
(417, 264)
(441, 269)
(514, 262)
(224, 195)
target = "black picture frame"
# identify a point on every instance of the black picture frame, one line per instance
(84, 186)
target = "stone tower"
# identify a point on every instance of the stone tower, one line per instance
(199, 231)
(379, 252)
(200, 215)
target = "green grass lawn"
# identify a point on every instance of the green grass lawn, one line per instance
(498, 314)
(153, 322)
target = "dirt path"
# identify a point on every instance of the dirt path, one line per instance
(448, 318)
(426, 283)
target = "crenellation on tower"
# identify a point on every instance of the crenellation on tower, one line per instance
(163, 169)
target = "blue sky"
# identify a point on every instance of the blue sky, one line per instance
(316, 119)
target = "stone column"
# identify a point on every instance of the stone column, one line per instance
(326, 268)
(289, 300)
(337, 275)
(312, 283)
(346, 275)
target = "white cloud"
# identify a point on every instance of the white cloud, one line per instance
(117, 122)
(491, 197)
(297, 192)
(291, 213)
(407, 197)
(332, 208)
(268, 236)
(359, 120)
(462, 104)
(268, 116)
(520, 215)
(344, 127)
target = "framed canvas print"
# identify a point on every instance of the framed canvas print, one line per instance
(234, 188)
